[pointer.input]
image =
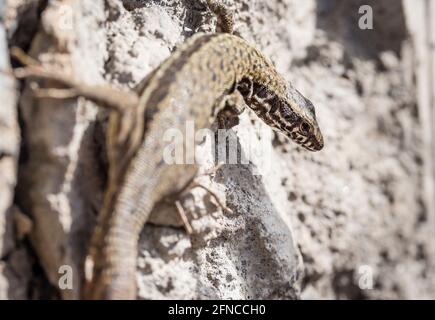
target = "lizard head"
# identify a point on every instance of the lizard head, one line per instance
(300, 123)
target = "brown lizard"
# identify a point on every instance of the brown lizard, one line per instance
(187, 86)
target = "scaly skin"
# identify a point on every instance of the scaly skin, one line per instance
(186, 87)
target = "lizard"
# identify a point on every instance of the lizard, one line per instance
(191, 84)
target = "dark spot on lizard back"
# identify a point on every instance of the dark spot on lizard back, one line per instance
(222, 65)
(244, 87)
(260, 91)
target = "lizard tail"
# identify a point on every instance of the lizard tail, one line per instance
(110, 266)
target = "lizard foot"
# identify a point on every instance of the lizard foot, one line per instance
(181, 212)
(213, 195)
(191, 184)
(230, 108)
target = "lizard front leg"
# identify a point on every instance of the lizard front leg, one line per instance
(230, 108)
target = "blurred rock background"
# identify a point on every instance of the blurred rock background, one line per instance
(354, 221)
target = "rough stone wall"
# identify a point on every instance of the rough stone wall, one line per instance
(303, 224)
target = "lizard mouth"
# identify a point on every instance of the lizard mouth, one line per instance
(318, 146)
(315, 143)
(313, 147)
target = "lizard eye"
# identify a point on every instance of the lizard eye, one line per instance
(305, 128)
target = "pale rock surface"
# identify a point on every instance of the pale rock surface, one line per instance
(14, 264)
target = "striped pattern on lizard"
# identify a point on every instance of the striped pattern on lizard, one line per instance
(186, 86)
